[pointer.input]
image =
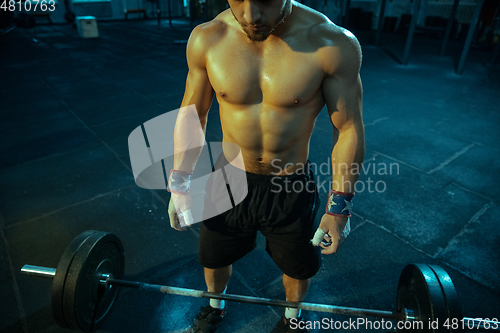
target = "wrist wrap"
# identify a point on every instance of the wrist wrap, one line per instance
(179, 182)
(339, 203)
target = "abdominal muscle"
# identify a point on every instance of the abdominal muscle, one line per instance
(272, 140)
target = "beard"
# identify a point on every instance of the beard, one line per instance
(266, 31)
(256, 36)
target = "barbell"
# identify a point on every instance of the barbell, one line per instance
(86, 280)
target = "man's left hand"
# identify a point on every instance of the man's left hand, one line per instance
(337, 229)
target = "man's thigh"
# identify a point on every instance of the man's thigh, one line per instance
(289, 244)
(221, 246)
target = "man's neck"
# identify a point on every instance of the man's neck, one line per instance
(286, 25)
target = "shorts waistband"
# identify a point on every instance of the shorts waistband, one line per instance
(304, 174)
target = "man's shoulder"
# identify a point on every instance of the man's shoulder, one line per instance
(337, 46)
(327, 33)
(209, 32)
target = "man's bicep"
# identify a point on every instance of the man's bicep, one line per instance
(343, 98)
(198, 90)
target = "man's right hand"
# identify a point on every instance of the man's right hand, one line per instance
(179, 203)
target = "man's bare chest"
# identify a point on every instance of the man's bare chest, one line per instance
(281, 78)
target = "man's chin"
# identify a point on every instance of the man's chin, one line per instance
(256, 36)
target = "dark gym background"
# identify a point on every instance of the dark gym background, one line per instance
(68, 104)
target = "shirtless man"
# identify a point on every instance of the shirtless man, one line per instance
(273, 65)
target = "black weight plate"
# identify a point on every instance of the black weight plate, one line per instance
(57, 290)
(85, 308)
(419, 290)
(453, 308)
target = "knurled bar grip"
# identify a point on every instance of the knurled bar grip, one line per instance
(258, 300)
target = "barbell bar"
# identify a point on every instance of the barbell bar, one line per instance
(85, 283)
(107, 281)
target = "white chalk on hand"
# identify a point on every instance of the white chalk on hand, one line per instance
(186, 218)
(318, 237)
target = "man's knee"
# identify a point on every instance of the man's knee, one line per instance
(218, 278)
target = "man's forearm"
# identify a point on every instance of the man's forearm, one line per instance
(189, 139)
(347, 158)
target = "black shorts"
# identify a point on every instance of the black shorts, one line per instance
(282, 208)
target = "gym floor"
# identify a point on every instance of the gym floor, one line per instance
(68, 105)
